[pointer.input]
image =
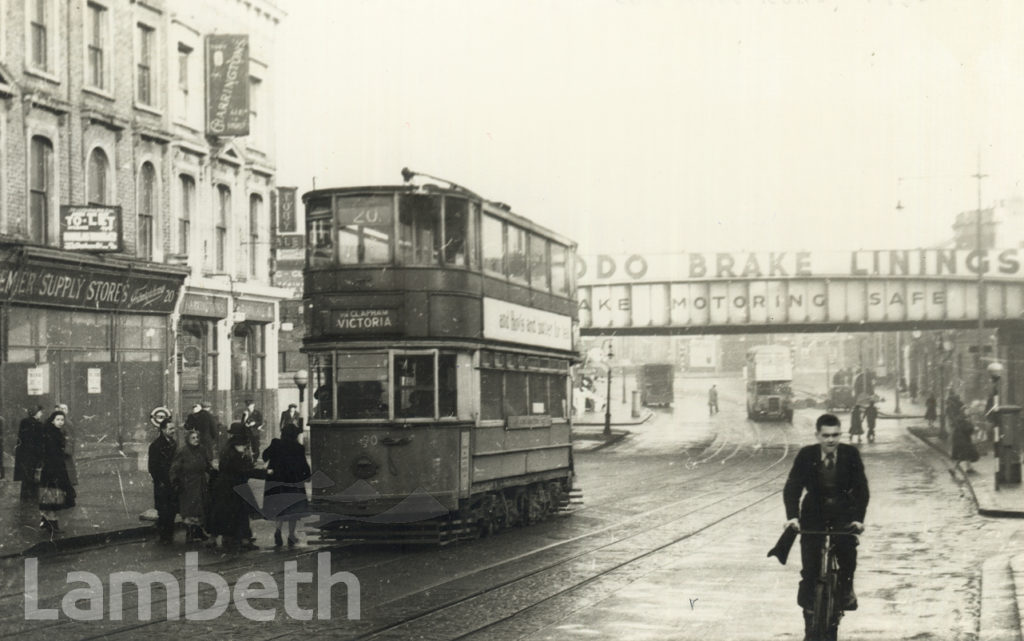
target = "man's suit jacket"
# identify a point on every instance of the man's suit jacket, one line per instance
(851, 482)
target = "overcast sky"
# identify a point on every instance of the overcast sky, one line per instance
(666, 126)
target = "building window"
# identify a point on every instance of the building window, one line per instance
(147, 209)
(39, 42)
(184, 59)
(255, 126)
(255, 207)
(188, 203)
(247, 356)
(223, 214)
(98, 168)
(40, 186)
(145, 65)
(97, 39)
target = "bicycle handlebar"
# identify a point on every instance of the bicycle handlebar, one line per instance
(848, 532)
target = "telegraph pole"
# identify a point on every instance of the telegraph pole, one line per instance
(980, 246)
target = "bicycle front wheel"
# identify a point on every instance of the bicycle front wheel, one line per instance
(825, 622)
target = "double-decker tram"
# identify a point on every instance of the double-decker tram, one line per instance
(441, 329)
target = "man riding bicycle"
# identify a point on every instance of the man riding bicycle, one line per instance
(832, 473)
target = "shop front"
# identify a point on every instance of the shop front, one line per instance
(88, 332)
(199, 350)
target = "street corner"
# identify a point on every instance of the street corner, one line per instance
(591, 441)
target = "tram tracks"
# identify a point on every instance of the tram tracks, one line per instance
(618, 538)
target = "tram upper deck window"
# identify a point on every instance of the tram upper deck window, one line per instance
(493, 245)
(456, 231)
(539, 271)
(518, 264)
(362, 385)
(560, 283)
(419, 224)
(320, 244)
(364, 229)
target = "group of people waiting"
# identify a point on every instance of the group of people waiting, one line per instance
(213, 496)
(44, 464)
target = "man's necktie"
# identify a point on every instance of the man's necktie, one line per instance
(830, 461)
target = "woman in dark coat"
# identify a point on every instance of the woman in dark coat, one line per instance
(856, 429)
(963, 450)
(190, 477)
(284, 495)
(229, 514)
(930, 413)
(55, 490)
(871, 415)
(28, 453)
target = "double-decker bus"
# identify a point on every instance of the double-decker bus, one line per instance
(441, 329)
(769, 374)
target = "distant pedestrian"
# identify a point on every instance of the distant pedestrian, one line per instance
(229, 516)
(3, 473)
(72, 440)
(712, 401)
(284, 496)
(28, 453)
(930, 413)
(856, 429)
(963, 450)
(55, 490)
(913, 389)
(871, 415)
(290, 417)
(190, 478)
(161, 455)
(253, 420)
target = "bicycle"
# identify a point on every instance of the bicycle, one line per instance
(828, 597)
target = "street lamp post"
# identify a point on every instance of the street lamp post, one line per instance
(301, 378)
(608, 395)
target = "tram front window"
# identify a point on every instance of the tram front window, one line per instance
(362, 385)
(364, 230)
(419, 220)
(414, 386)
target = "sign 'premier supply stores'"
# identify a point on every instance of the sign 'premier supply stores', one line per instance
(96, 229)
(518, 324)
(227, 85)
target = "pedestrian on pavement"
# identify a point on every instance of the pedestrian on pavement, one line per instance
(856, 429)
(832, 474)
(229, 517)
(3, 473)
(712, 401)
(871, 415)
(72, 439)
(165, 498)
(253, 420)
(963, 450)
(202, 421)
(290, 417)
(189, 475)
(913, 389)
(929, 410)
(28, 453)
(284, 495)
(55, 490)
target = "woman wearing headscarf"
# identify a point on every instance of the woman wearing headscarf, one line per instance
(28, 453)
(284, 494)
(190, 478)
(229, 516)
(55, 490)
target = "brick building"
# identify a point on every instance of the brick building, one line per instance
(105, 107)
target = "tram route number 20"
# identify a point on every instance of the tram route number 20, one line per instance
(367, 440)
(364, 216)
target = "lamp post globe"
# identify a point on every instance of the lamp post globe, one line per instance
(301, 378)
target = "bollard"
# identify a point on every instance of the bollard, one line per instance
(1007, 444)
(635, 413)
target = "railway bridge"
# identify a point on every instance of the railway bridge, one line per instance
(806, 291)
